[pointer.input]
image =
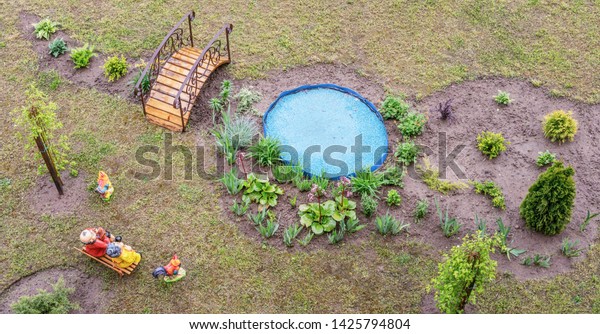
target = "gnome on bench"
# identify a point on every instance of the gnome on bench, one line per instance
(96, 240)
(123, 255)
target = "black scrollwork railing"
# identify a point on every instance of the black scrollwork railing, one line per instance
(211, 55)
(175, 39)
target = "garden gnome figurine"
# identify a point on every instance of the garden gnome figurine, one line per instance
(123, 255)
(105, 188)
(172, 272)
(96, 240)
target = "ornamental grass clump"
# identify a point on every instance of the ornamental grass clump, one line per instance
(549, 203)
(560, 126)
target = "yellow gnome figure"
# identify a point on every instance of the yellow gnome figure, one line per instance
(105, 188)
(123, 255)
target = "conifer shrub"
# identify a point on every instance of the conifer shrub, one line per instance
(560, 126)
(548, 205)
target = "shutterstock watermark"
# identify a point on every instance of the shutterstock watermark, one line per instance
(157, 161)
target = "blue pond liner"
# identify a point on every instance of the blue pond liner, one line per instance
(328, 129)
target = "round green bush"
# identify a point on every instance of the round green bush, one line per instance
(491, 144)
(559, 126)
(549, 202)
(115, 68)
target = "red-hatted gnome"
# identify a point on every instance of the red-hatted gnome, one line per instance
(96, 240)
(172, 271)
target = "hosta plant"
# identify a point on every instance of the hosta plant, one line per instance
(57, 47)
(318, 216)
(545, 158)
(260, 191)
(44, 29)
(560, 126)
(82, 56)
(491, 144)
(503, 98)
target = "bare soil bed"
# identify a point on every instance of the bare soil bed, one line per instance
(514, 170)
(88, 294)
(92, 76)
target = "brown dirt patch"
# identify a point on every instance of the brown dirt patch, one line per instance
(89, 294)
(92, 76)
(515, 170)
(44, 198)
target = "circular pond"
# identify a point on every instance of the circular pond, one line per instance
(328, 129)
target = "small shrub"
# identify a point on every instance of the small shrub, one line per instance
(464, 273)
(570, 249)
(55, 302)
(431, 176)
(266, 151)
(492, 190)
(560, 126)
(394, 108)
(57, 47)
(503, 98)
(421, 210)
(239, 209)
(367, 182)
(549, 202)
(387, 224)
(445, 111)
(588, 218)
(491, 144)
(44, 29)
(246, 99)
(115, 68)
(81, 56)
(538, 260)
(450, 226)
(407, 152)
(293, 201)
(268, 230)
(412, 125)
(393, 198)
(290, 233)
(545, 158)
(259, 217)
(393, 176)
(231, 182)
(369, 205)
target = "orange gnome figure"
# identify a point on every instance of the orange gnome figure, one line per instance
(105, 188)
(172, 272)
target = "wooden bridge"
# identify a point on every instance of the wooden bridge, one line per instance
(171, 82)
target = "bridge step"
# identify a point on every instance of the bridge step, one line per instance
(159, 106)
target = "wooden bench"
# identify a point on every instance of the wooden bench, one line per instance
(107, 261)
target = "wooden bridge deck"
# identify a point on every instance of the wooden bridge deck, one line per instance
(159, 106)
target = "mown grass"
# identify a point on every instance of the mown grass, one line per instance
(414, 46)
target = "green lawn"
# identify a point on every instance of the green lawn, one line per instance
(416, 47)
